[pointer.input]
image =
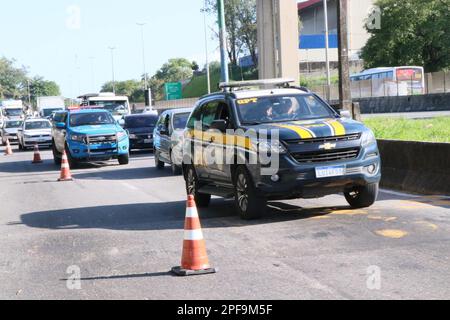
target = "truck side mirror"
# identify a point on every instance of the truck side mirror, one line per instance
(220, 125)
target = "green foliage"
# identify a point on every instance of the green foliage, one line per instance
(130, 88)
(13, 81)
(240, 22)
(413, 32)
(429, 130)
(43, 88)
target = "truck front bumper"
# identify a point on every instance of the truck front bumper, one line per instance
(98, 152)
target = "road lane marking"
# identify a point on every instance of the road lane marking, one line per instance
(428, 224)
(392, 234)
(385, 219)
(129, 186)
(349, 212)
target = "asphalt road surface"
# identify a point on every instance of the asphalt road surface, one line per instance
(122, 228)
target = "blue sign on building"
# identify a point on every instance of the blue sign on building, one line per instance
(317, 41)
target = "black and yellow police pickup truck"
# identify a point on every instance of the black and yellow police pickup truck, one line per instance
(276, 142)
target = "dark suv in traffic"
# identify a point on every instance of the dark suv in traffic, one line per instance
(276, 144)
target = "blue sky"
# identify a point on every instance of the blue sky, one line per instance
(48, 37)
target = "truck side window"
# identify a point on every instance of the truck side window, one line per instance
(209, 114)
(196, 117)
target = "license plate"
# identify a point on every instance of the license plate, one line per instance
(148, 140)
(327, 172)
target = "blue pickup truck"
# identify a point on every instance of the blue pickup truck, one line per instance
(89, 135)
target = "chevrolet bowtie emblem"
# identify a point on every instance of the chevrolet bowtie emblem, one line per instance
(328, 146)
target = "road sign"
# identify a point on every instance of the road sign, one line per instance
(173, 90)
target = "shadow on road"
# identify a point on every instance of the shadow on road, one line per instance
(124, 174)
(128, 276)
(160, 216)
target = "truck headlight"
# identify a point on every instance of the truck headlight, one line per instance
(269, 147)
(133, 136)
(77, 138)
(28, 136)
(121, 136)
(368, 138)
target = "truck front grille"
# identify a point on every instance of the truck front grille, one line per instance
(327, 156)
(101, 139)
(350, 137)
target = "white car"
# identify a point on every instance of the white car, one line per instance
(35, 132)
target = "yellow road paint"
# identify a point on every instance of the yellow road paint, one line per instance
(349, 212)
(428, 224)
(321, 218)
(393, 234)
(385, 219)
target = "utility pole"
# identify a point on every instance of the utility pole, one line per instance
(113, 72)
(222, 35)
(143, 54)
(29, 94)
(345, 97)
(208, 77)
(327, 48)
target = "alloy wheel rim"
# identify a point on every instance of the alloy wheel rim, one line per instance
(242, 194)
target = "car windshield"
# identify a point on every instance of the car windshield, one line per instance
(13, 112)
(48, 112)
(87, 119)
(282, 109)
(36, 125)
(141, 121)
(13, 124)
(117, 108)
(180, 120)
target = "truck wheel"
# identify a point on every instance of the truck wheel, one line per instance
(192, 185)
(158, 163)
(249, 204)
(20, 146)
(56, 156)
(363, 197)
(73, 163)
(124, 159)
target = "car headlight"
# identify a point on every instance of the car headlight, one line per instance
(133, 136)
(121, 136)
(269, 147)
(368, 138)
(28, 136)
(77, 138)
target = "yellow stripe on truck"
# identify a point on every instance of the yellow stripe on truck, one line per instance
(303, 133)
(339, 129)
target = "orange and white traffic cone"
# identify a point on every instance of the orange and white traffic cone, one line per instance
(37, 155)
(65, 169)
(195, 258)
(8, 150)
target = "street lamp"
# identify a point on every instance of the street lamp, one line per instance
(222, 35)
(112, 64)
(143, 54)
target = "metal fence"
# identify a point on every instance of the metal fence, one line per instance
(436, 82)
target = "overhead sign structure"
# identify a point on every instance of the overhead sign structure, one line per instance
(173, 90)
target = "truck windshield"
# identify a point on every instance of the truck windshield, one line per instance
(180, 120)
(282, 109)
(141, 121)
(117, 108)
(36, 125)
(13, 124)
(13, 112)
(91, 119)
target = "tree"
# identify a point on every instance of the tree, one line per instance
(175, 70)
(13, 81)
(413, 32)
(130, 88)
(43, 88)
(240, 22)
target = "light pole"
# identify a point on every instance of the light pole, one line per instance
(113, 72)
(222, 35)
(143, 54)
(327, 49)
(29, 94)
(208, 79)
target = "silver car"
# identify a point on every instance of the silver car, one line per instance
(9, 131)
(35, 132)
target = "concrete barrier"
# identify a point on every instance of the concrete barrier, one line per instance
(418, 167)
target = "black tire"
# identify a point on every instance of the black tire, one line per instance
(21, 148)
(56, 155)
(73, 163)
(363, 197)
(158, 163)
(176, 170)
(192, 185)
(249, 204)
(124, 159)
